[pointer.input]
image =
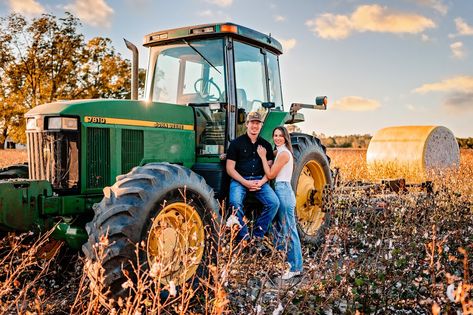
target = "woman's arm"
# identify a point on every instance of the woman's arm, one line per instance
(273, 171)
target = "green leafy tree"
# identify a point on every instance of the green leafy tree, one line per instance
(47, 59)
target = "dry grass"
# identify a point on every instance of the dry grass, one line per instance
(384, 253)
(351, 163)
(9, 157)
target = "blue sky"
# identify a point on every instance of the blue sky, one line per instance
(381, 63)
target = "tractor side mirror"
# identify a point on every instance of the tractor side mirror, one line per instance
(268, 105)
(321, 100)
(241, 116)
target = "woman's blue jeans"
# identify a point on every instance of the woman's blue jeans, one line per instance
(265, 195)
(286, 235)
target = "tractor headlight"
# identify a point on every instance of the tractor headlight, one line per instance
(31, 124)
(65, 123)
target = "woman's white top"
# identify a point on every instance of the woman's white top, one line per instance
(285, 174)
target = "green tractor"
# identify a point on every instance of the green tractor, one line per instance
(150, 172)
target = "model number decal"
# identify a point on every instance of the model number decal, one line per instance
(96, 120)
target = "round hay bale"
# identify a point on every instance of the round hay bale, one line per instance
(411, 152)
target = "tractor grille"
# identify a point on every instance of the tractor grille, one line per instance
(35, 155)
(54, 156)
(132, 149)
(98, 157)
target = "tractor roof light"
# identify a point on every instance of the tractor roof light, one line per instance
(202, 30)
(158, 37)
(229, 28)
(62, 123)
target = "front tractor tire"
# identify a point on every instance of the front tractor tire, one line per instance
(165, 210)
(312, 184)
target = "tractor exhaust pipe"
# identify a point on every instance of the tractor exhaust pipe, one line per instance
(134, 69)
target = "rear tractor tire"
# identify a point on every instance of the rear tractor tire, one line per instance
(14, 171)
(165, 210)
(312, 184)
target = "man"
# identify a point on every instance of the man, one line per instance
(245, 168)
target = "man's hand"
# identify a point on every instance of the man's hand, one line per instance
(252, 185)
(262, 181)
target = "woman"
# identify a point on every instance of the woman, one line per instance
(281, 171)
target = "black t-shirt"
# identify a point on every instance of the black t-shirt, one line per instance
(243, 152)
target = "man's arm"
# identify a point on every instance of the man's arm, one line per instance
(233, 173)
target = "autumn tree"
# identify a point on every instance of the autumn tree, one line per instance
(47, 59)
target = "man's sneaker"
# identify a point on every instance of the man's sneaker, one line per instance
(290, 274)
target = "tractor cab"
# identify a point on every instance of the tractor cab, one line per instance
(224, 71)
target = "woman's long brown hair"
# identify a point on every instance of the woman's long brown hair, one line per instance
(287, 137)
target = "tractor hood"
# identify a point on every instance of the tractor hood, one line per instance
(122, 112)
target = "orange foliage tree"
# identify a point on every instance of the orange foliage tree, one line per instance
(46, 59)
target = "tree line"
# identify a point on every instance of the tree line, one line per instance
(362, 141)
(465, 143)
(47, 59)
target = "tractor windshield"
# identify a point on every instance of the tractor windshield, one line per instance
(189, 72)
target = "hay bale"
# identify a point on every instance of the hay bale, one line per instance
(411, 152)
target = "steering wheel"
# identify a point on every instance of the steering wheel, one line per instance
(204, 84)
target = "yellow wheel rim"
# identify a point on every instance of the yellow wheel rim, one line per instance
(176, 243)
(309, 198)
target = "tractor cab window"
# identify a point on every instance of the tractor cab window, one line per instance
(189, 72)
(275, 93)
(250, 79)
(210, 129)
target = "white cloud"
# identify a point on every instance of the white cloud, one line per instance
(356, 104)
(459, 103)
(411, 107)
(425, 38)
(221, 3)
(462, 27)
(457, 50)
(368, 18)
(437, 5)
(92, 12)
(461, 83)
(279, 18)
(376, 18)
(330, 26)
(26, 7)
(288, 44)
(216, 16)
(417, 109)
(459, 93)
(206, 13)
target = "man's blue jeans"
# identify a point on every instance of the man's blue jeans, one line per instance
(286, 235)
(265, 195)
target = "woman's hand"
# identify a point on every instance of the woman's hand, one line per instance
(261, 151)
